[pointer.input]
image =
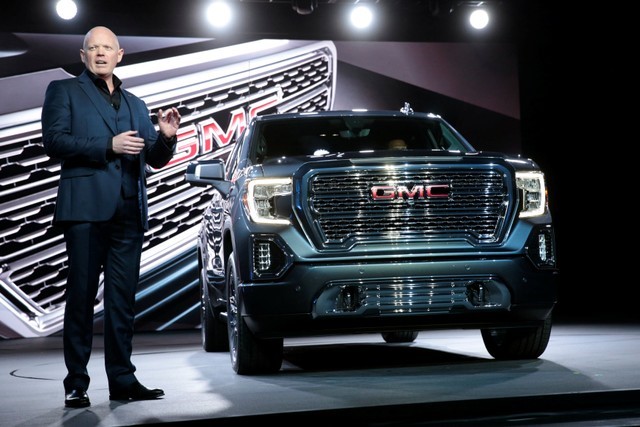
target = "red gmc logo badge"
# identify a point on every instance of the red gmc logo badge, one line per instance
(208, 135)
(391, 192)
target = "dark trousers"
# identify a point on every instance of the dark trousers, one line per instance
(112, 247)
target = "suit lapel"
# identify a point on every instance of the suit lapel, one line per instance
(87, 85)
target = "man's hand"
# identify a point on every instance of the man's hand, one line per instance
(169, 122)
(127, 143)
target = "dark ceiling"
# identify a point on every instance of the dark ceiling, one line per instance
(399, 20)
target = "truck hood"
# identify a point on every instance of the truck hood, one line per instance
(287, 166)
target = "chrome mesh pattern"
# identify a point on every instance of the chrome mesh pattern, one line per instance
(342, 206)
(33, 263)
(409, 295)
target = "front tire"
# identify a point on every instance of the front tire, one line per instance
(517, 343)
(249, 355)
(400, 336)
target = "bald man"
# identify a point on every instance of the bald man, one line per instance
(103, 137)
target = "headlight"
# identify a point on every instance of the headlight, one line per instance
(533, 193)
(261, 199)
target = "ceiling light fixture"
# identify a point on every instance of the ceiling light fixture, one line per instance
(361, 16)
(66, 9)
(219, 14)
(479, 19)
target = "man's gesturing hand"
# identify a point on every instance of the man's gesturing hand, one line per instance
(127, 143)
(169, 122)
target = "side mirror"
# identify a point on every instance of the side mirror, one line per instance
(204, 173)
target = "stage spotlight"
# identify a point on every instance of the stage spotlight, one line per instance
(361, 16)
(219, 14)
(66, 9)
(479, 19)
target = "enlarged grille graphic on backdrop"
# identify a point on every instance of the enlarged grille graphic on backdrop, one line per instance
(217, 93)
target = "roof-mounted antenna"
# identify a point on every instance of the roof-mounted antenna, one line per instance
(406, 109)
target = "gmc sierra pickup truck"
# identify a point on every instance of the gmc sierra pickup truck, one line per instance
(343, 222)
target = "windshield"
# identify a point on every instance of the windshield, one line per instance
(318, 136)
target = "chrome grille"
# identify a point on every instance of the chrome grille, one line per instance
(33, 263)
(416, 296)
(342, 206)
(395, 296)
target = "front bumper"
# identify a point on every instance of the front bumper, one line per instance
(352, 297)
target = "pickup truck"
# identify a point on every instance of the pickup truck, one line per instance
(390, 222)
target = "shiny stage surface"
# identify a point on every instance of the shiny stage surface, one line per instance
(588, 376)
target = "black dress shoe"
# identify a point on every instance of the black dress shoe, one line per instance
(77, 398)
(136, 391)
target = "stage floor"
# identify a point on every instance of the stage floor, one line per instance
(589, 373)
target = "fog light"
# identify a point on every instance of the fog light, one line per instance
(263, 256)
(271, 257)
(350, 298)
(476, 293)
(542, 247)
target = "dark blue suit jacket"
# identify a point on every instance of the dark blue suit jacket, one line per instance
(77, 127)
